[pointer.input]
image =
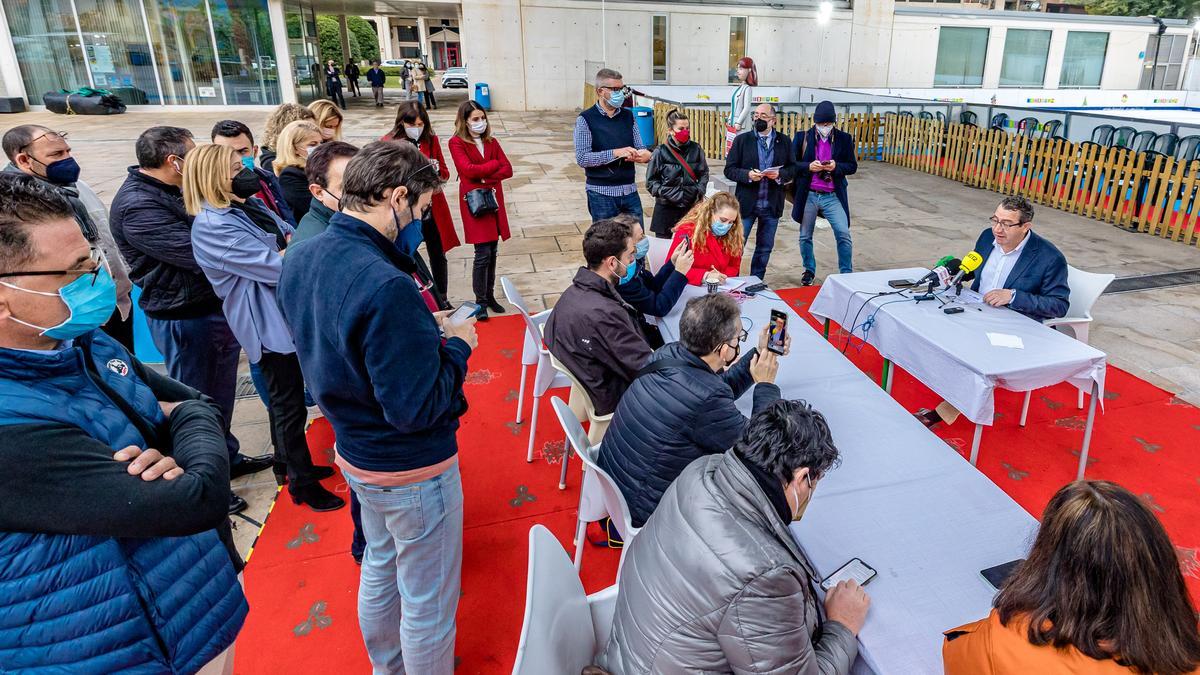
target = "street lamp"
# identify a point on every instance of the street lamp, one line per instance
(824, 14)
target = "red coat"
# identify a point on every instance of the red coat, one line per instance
(440, 207)
(477, 171)
(713, 255)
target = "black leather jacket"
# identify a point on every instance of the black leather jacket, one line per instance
(668, 182)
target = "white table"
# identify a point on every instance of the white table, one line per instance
(951, 353)
(901, 500)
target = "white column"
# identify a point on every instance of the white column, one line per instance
(283, 57)
(11, 82)
(871, 43)
(423, 41)
(490, 31)
(344, 34)
(383, 28)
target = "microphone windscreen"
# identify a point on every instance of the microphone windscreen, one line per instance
(972, 261)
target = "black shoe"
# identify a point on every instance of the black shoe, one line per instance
(930, 418)
(807, 279)
(495, 306)
(482, 314)
(236, 504)
(317, 498)
(357, 559)
(244, 466)
(323, 472)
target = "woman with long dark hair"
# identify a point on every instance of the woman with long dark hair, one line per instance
(1101, 592)
(481, 165)
(437, 226)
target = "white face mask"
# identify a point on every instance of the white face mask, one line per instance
(413, 132)
(801, 508)
(308, 151)
(479, 127)
(824, 130)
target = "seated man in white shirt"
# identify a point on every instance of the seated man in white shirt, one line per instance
(1021, 271)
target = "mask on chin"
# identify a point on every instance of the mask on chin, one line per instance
(796, 495)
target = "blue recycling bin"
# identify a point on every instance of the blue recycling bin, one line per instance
(645, 121)
(483, 95)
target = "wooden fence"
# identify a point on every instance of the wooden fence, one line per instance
(1154, 194)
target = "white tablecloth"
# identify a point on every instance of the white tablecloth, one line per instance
(951, 353)
(901, 500)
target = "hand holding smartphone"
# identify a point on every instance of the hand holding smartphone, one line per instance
(464, 312)
(856, 570)
(777, 335)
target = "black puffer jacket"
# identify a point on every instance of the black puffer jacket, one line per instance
(672, 416)
(668, 182)
(154, 233)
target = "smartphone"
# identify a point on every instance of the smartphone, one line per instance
(996, 575)
(777, 334)
(465, 311)
(855, 570)
(902, 283)
(755, 288)
(953, 310)
(687, 242)
(827, 162)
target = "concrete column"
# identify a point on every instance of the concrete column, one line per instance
(283, 57)
(491, 30)
(423, 41)
(1054, 60)
(11, 82)
(344, 33)
(383, 28)
(871, 43)
(994, 62)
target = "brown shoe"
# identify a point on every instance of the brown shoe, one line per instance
(930, 418)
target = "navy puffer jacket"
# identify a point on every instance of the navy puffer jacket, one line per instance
(670, 417)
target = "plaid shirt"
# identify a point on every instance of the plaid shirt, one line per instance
(585, 157)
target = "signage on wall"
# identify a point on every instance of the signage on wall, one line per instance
(1166, 100)
(1039, 100)
(766, 99)
(703, 97)
(206, 92)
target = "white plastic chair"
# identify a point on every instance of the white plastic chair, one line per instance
(564, 628)
(533, 353)
(599, 495)
(581, 403)
(1086, 288)
(657, 256)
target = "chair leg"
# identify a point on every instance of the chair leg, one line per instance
(580, 536)
(521, 393)
(532, 428)
(562, 479)
(1081, 399)
(1025, 406)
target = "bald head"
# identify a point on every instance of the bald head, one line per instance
(766, 113)
(17, 138)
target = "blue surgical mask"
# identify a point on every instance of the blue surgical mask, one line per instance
(616, 99)
(63, 172)
(721, 228)
(248, 162)
(91, 305)
(409, 237)
(630, 273)
(641, 248)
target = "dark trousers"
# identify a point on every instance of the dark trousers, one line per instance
(437, 256)
(358, 544)
(483, 274)
(203, 354)
(666, 217)
(120, 329)
(430, 101)
(352, 82)
(335, 95)
(288, 415)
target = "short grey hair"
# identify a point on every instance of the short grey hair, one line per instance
(607, 74)
(1019, 204)
(708, 321)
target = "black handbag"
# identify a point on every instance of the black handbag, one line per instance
(481, 202)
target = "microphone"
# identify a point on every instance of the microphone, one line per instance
(967, 266)
(938, 272)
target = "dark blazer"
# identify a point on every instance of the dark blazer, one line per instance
(1039, 277)
(804, 149)
(743, 157)
(295, 190)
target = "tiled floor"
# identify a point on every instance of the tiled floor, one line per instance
(899, 218)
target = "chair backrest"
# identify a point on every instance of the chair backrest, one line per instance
(1049, 129)
(925, 115)
(1086, 288)
(1121, 137)
(1150, 157)
(515, 299)
(1187, 148)
(1141, 141)
(1102, 134)
(906, 113)
(575, 383)
(941, 117)
(1165, 143)
(657, 257)
(999, 121)
(610, 495)
(967, 117)
(603, 605)
(1027, 126)
(557, 635)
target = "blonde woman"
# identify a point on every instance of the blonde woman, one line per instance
(328, 119)
(713, 229)
(283, 116)
(296, 141)
(243, 263)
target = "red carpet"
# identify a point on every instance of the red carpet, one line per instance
(302, 583)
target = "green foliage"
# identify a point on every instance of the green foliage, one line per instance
(364, 43)
(1166, 9)
(362, 33)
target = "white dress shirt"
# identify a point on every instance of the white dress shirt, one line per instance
(999, 265)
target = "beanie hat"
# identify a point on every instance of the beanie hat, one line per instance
(825, 113)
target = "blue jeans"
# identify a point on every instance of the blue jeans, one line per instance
(764, 242)
(413, 561)
(203, 354)
(603, 207)
(832, 209)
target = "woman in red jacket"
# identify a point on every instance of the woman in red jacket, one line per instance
(715, 228)
(437, 227)
(481, 165)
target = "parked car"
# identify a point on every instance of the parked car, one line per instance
(455, 78)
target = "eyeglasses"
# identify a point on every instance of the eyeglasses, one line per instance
(61, 135)
(95, 258)
(996, 221)
(623, 90)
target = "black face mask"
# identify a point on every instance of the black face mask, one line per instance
(760, 125)
(246, 184)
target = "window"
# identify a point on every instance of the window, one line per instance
(406, 34)
(961, 53)
(737, 44)
(1024, 58)
(1083, 60)
(658, 41)
(1163, 72)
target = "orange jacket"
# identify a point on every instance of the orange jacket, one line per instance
(987, 647)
